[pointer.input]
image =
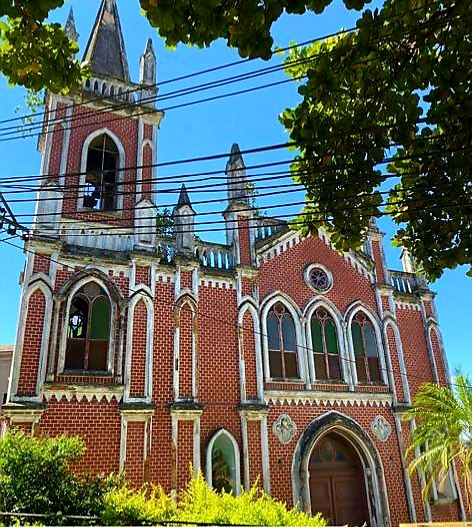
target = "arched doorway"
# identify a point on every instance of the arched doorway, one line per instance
(337, 482)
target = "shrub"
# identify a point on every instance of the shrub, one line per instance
(35, 477)
(200, 504)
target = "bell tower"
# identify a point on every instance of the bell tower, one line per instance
(99, 148)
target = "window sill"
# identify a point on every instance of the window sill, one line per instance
(86, 377)
(104, 213)
(87, 373)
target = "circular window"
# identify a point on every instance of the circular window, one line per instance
(318, 278)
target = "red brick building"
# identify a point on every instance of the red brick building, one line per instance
(270, 356)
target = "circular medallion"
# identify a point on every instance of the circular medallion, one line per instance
(318, 278)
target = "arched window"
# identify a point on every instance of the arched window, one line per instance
(324, 340)
(88, 329)
(365, 349)
(101, 174)
(223, 463)
(282, 340)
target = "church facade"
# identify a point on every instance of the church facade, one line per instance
(271, 357)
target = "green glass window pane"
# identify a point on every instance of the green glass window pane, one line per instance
(316, 336)
(100, 323)
(273, 332)
(370, 340)
(331, 337)
(357, 339)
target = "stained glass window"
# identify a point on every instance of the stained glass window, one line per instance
(282, 340)
(366, 351)
(88, 330)
(325, 345)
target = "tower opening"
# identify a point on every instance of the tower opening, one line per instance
(102, 174)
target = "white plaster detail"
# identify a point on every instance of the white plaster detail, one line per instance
(284, 428)
(291, 307)
(381, 428)
(83, 392)
(113, 317)
(352, 310)
(249, 307)
(18, 350)
(329, 277)
(149, 348)
(317, 398)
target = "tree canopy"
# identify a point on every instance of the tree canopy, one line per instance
(384, 122)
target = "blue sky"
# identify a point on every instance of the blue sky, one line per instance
(210, 128)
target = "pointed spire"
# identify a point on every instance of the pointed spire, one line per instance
(147, 66)
(70, 29)
(184, 226)
(236, 174)
(183, 197)
(105, 51)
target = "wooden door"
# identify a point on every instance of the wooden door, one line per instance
(337, 484)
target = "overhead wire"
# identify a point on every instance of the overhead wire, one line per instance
(385, 370)
(223, 155)
(269, 69)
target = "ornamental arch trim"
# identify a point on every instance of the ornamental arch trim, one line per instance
(222, 432)
(296, 314)
(119, 170)
(308, 312)
(349, 315)
(358, 438)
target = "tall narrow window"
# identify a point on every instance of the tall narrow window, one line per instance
(325, 346)
(365, 349)
(101, 174)
(88, 330)
(282, 343)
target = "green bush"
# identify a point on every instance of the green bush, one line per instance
(126, 506)
(35, 477)
(200, 504)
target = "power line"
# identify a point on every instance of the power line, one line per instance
(212, 157)
(180, 78)
(325, 170)
(254, 331)
(210, 85)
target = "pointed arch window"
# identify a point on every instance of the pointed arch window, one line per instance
(282, 338)
(366, 350)
(223, 463)
(101, 174)
(88, 330)
(324, 340)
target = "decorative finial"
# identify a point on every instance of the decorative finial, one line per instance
(70, 29)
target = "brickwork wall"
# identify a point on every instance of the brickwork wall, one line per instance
(98, 423)
(415, 351)
(31, 352)
(254, 446)
(41, 263)
(396, 371)
(134, 464)
(126, 129)
(348, 284)
(244, 241)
